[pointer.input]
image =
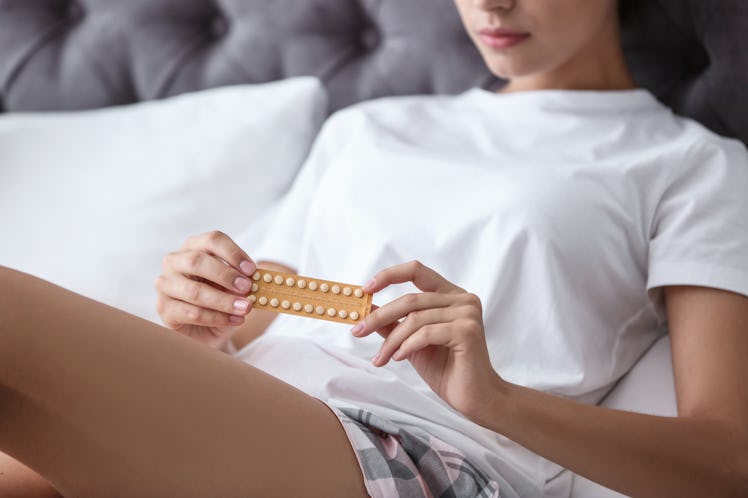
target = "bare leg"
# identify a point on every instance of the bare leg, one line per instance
(102, 403)
(19, 481)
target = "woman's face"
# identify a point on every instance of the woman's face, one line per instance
(520, 38)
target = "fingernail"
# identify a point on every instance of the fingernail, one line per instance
(242, 284)
(358, 328)
(396, 355)
(241, 305)
(368, 285)
(376, 358)
(247, 267)
(236, 319)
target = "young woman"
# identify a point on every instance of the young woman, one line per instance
(562, 225)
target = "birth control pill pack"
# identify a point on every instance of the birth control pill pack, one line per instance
(311, 297)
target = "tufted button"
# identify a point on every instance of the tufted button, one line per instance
(219, 26)
(75, 11)
(370, 38)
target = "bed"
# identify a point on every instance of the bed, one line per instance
(60, 57)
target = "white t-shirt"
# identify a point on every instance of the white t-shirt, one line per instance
(564, 211)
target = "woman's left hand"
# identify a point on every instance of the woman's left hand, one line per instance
(440, 330)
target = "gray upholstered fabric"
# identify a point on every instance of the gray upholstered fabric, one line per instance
(693, 54)
(76, 54)
(62, 54)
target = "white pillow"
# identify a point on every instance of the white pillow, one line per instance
(647, 388)
(93, 200)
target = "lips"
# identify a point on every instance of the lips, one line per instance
(502, 37)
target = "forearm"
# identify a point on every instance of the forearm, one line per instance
(639, 455)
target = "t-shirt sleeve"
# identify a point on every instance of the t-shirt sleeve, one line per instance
(700, 226)
(283, 229)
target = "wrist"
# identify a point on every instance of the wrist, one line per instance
(492, 413)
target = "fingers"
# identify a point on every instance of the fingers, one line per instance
(208, 268)
(400, 308)
(205, 283)
(221, 245)
(414, 321)
(383, 331)
(180, 288)
(430, 335)
(446, 334)
(422, 277)
(422, 323)
(176, 314)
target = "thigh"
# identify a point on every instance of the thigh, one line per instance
(19, 481)
(102, 403)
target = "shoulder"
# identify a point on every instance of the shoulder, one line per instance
(709, 142)
(700, 143)
(717, 160)
(689, 154)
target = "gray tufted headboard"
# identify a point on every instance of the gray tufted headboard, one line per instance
(79, 54)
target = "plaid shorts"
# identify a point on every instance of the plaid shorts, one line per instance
(399, 463)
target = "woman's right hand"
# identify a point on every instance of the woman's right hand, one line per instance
(203, 287)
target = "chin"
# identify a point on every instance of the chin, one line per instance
(504, 71)
(509, 68)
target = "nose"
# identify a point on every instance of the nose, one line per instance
(491, 5)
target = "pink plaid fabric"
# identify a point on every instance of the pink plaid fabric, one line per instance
(400, 463)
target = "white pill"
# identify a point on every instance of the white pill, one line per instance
(336, 289)
(263, 300)
(324, 287)
(274, 302)
(297, 306)
(354, 316)
(267, 278)
(320, 310)
(347, 291)
(285, 304)
(290, 282)
(332, 312)
(301, 284)
(252, 299)
(312, 285)
(256, 275)
(358, 293)
(308, 308)
(279, 280)
(255, 287)
(343, 314)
